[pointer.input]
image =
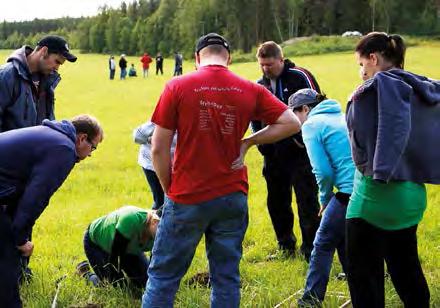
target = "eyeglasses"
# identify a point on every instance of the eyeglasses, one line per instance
(92, 146)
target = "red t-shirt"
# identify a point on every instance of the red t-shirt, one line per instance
(146, 60)
(211, 110)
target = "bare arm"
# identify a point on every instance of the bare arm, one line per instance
(161, 153)
(286, 125)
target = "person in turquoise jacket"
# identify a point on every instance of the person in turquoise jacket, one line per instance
(326, 138)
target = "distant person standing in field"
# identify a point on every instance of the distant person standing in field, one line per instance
(28, 81)
(112, 67)
(393, 120)
(206, 189)
(159, 64)
(34, 162)
(123, 67)
(325, 136)
(142, 135)
(115, 244)
(178, 64)
(146, 60)
(286, 163)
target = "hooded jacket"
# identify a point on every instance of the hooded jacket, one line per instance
(394, 122)
(34, 162)
(326, 138)
(142, 135)
(283, 155)
(19, 105)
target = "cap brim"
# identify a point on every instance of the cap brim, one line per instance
(301, 102)
(69, 57)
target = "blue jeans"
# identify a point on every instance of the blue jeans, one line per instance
(134, 266)
(156, 188)
(123, 73)
(223, 221)
(330, 236)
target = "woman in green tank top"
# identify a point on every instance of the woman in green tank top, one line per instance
(383, 215)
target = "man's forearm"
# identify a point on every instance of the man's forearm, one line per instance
(275, 132)
(286, 125)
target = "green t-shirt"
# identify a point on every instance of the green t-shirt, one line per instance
(391, 206)
(129, 221)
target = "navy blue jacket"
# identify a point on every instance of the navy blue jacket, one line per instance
(21, 105)
(284, 155)
(34, 162)
(394, 124)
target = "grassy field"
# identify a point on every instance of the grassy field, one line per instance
(112, 178)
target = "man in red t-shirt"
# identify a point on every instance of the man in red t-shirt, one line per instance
(146, 60)
(206, 185)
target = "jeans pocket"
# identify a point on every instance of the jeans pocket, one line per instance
(185, 219)
(236, 205)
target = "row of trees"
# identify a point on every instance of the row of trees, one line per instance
(170, 25)
(13, 34)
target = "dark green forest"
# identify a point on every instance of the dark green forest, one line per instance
(170, 25)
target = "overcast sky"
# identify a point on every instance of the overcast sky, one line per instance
(19, 10)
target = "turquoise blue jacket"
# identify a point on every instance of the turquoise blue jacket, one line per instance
(327, 142)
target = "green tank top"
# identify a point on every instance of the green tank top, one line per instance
(391, 206)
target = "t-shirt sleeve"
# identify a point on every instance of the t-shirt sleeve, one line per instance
(269, 108)
(165, 114)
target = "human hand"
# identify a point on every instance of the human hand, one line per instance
(26, 249)
(238, 163)
(321, 210)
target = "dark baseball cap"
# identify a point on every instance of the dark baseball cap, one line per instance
(303, 97)
(57, 44)
(212, 39)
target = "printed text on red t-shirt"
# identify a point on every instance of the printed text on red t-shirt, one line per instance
(210, 110)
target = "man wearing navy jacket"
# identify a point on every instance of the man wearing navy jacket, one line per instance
(34, 162)
(286, 163)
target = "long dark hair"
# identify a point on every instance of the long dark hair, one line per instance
(391, 47)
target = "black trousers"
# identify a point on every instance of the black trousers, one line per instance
(279, 203)
(9, 264)
(159, 68)
(367, 249)
(134, 266)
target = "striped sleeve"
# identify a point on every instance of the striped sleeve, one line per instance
(306, 76)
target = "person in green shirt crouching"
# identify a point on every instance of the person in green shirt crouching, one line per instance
(115, 244)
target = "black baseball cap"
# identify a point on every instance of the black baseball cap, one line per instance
(57, 44)
(303, 97)
(212, 39)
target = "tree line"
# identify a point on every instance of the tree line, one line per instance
(174, 25)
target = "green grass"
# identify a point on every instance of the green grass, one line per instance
(112, 178)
